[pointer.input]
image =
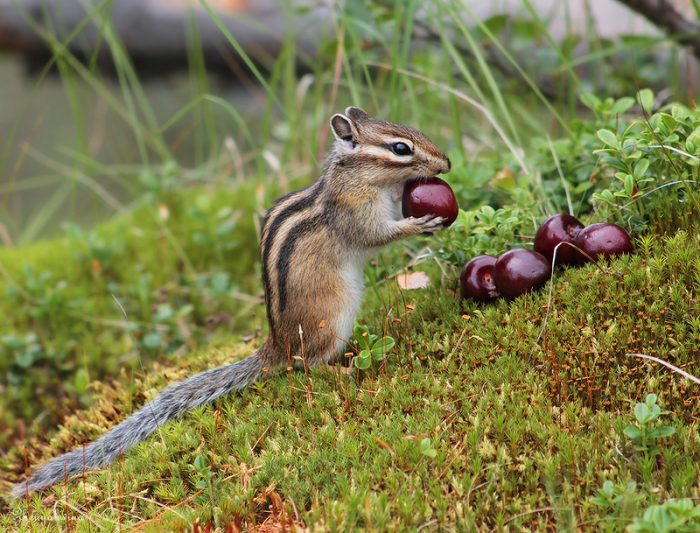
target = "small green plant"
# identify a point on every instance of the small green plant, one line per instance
(617, 501)
(484, 230)
(646, 433)
(23, 351)
(207, 480)
(372, 349)
(426, 448)
(611, 496)
(646, 155)
(677, 516)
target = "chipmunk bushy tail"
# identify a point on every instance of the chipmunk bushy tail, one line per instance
(171, 403)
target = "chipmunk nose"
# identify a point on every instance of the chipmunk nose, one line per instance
(445, 166)
(439, 163)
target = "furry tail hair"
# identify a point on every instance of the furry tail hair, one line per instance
(171, 403)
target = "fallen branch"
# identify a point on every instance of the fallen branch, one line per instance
(156, 35)
(664, 15)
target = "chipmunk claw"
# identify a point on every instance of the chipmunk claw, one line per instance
(429, 223)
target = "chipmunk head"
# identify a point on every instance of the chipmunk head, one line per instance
(394, 151)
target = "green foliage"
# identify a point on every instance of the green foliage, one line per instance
(426, 448)
(208, 481)
(372, 350)
(645, 156)
(646, 432)
(156, 283)
(679, 516)
(617, 503)
(613, 167)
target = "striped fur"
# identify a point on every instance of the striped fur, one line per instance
(314, 245)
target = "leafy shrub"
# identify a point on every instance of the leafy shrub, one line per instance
(678, 516)
(613, 167)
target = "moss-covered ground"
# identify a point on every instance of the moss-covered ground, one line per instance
(156, 283)
(477, 420)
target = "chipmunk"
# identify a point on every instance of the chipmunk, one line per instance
(314, 245)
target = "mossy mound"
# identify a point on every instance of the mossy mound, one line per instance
(479, 420)
(158, 282)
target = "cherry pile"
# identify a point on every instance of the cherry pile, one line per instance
(518, 271)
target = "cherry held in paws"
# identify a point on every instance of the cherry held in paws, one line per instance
(519, 271)
(429, 196)
(476, 281)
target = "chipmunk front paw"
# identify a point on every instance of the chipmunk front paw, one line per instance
(427, 224)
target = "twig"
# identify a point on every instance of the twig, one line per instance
(551, 281)
(666, 364)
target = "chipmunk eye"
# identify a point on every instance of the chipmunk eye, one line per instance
(401, 149)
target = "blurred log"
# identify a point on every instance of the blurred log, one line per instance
(664, 15)
(155, 32)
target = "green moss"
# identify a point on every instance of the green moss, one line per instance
(525, 430)
(157, 282)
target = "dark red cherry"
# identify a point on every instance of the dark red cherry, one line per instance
(476, 280)
(602, 240)
(429, 196)
(556, 229)
(519, 271)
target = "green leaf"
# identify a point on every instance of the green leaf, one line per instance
(81, 380)
(622, 105)
(600, 502)
(382, 346)
(150, 180)
(362, 335)
(364, 360)
(664, 431)
(152, 341)
(632, 432)
(645, 97)
(359, 331)
(641, 413)
(608, 138)
(640, 168)
(692, 143)
(591, 101)
(426, 448)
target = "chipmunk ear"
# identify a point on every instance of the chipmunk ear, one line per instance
(355, 113)
(343, 128)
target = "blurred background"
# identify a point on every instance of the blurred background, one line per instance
(94, 93)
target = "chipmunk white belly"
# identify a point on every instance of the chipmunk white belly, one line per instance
(352, 273)
(352, 280)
